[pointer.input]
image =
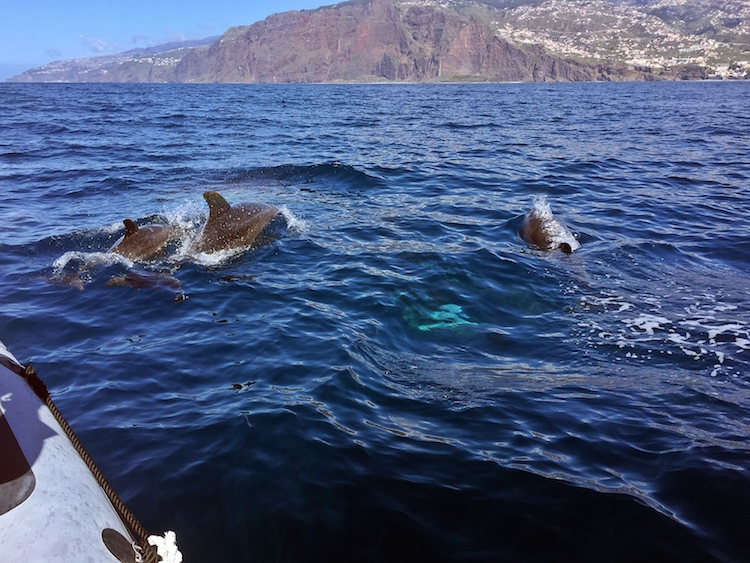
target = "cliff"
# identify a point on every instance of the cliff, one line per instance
(357, 41)
(378, 41)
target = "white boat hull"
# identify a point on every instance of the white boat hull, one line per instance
(56, 511)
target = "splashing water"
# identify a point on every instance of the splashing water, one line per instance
(75, 267)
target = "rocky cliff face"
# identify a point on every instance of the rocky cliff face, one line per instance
(357, 41)
(374, 41)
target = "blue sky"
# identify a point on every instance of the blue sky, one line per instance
(36, 32)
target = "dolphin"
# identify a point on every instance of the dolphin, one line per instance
(541, 229)
(141, 243)
(231, 226)
(153, 280)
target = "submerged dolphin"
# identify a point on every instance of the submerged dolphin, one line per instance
(141, 243)
(153, 280)
(231, 226)
(541, 229)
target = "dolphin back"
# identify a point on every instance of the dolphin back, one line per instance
(229, 227)
(141, 243)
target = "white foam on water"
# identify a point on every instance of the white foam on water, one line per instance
(73, 268)
(186, 217)
(293, 222)
(212, 259)
(715, 331)
(605, 302)
(647, 323)
(678, 338)
(90, 259)
(713, 335)
(541, 206)
(113, 228)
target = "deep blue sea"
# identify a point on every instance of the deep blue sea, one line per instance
(395, 375)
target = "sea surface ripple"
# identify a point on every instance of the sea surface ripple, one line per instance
(395, 374)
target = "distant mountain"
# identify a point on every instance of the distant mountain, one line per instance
(172, 46)
(449, 40)
(150, 64)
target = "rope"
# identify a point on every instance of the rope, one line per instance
(127, 517)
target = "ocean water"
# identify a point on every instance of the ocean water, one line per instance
(395, 375)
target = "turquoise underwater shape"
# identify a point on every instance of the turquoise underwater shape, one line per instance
(445, 316)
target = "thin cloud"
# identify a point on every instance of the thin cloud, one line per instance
(145, 38)
(94, 44)
(52, 53)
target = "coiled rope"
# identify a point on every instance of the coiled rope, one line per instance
(147, 551)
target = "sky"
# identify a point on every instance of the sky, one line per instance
(37, 32)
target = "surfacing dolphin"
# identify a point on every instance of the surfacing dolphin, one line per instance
(141, 243)
(541, 229)
(231, 226)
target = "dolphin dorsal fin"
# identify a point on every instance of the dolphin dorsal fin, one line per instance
(130, 227)
(216, 203)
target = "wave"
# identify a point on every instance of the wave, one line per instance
(455, 126)
(86, 260)
(76, 268)
(332, 173)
